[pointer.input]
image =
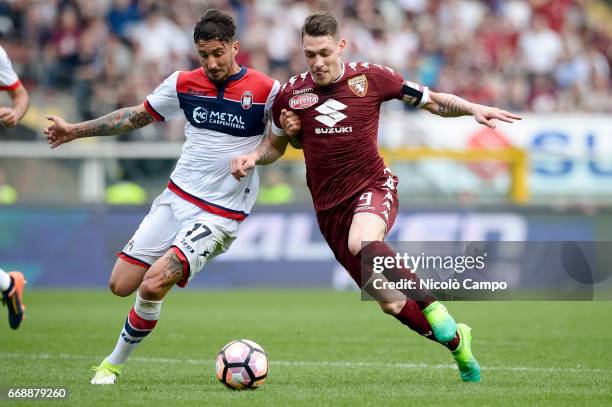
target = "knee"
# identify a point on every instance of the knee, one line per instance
(119, 289)
(354, 245)
(150, 287)
(392, 308)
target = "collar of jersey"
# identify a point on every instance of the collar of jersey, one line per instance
(341, 73)
(234, 77)
(335, 80)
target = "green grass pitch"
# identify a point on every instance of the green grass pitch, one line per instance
(325, 348)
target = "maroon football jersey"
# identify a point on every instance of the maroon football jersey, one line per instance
(340, 126)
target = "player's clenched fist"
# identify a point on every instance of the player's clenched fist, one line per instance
(8, 117)
(290, 122)
(241, 165)
(58, 132)
(292, 126)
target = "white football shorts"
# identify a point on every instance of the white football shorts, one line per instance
(173, 222)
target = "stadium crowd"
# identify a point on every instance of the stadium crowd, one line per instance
(520, 55)
(87, 58)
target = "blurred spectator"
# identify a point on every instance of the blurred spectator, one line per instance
(553, 11)
(122, 15)
(540, 46)
(543, 94)
(62, 51)
(158, 38)
(87, 58)
(526, 55)
(280, 39)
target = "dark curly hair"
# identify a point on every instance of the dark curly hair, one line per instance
(215, 25)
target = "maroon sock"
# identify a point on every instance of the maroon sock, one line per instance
(380, 249)
(412, 316)
(454, 343)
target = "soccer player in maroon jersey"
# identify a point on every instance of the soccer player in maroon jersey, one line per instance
(333, 112)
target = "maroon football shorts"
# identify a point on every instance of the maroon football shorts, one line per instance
(380, 199)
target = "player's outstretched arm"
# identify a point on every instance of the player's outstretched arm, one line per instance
(118, 122)
(10, 116)
(447, 105)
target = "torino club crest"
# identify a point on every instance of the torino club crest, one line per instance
(359, 85)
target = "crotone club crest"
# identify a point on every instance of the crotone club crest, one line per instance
(359, 85)
(246, 101)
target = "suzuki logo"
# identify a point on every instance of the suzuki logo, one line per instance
(330, 112)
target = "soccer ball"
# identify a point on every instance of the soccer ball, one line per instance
(242, 364)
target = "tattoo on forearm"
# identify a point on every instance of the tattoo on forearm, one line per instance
(453, 106)
(266, 153)
(118, 122)
(141, 119)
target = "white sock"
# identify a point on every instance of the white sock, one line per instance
(140, 322)
(5, 280)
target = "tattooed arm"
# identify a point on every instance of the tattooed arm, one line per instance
(118, 122)
(447, 105)
(270, 149)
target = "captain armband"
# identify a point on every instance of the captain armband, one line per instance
(414, 94)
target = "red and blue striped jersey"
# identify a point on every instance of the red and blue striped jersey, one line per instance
(223, 121)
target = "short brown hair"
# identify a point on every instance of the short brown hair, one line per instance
(320, 24)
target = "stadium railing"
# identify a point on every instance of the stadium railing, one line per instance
(92, 183)
(516, 159)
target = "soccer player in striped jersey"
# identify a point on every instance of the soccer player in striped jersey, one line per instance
(199, 213)
(12, 283)
(334, 110)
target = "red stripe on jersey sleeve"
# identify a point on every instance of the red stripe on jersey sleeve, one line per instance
(152, 112)
(195, 82)
(11, 87)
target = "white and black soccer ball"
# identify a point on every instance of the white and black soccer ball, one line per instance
(242, 364)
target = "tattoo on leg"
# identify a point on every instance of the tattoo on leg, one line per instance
(173, 272)
(441, 108)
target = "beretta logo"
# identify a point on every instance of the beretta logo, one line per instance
(359, 85)
(303, 101)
